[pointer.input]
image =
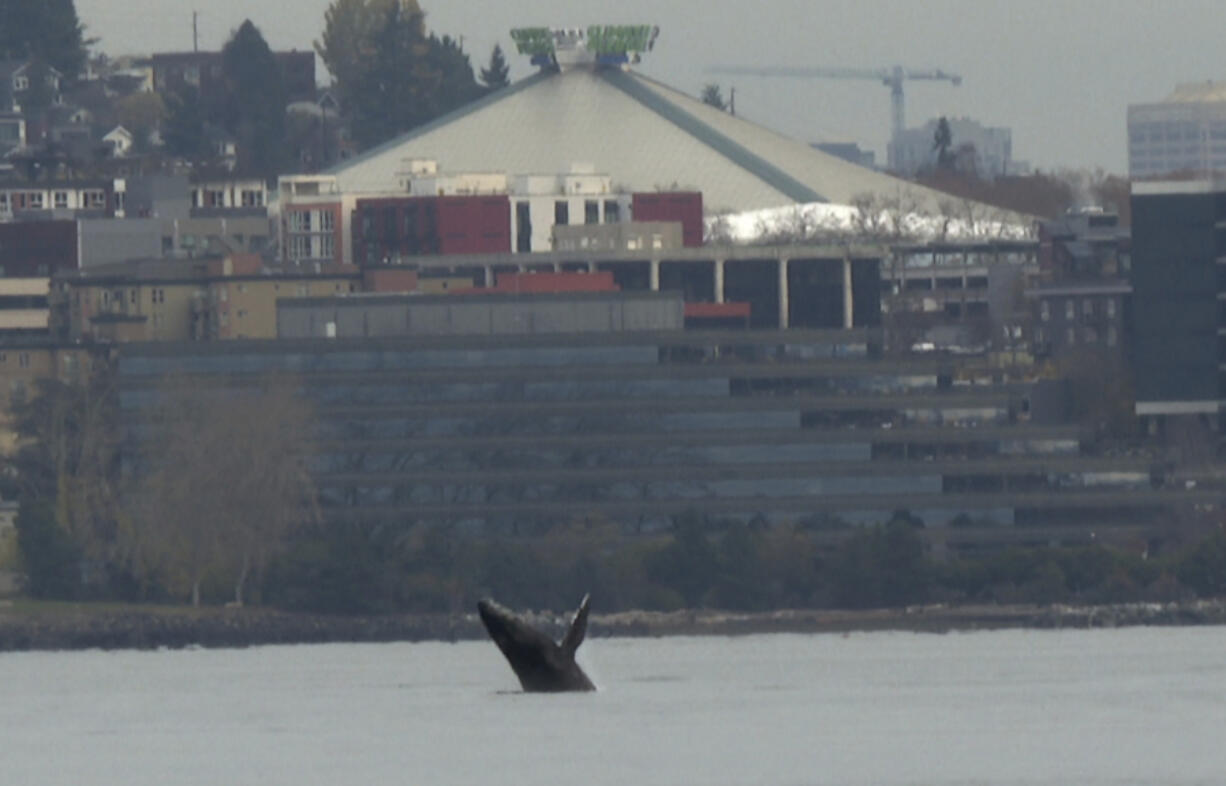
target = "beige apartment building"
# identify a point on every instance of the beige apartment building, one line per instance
(184, 300)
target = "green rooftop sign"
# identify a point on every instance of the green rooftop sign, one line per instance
(600, 40)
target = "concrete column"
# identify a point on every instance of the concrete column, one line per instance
(487, 273)
(654, 284)
(849, 306)
(719, 280)
(784, 303)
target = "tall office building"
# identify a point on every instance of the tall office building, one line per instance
(1179, 282)
(1184, 134)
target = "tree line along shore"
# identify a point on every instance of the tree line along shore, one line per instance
(26, 627)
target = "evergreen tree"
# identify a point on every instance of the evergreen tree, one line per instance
(390, 74)
(184, 130)
(942, 144)
(46, 30)
(495, 75)
(713, 96)
(254, 110)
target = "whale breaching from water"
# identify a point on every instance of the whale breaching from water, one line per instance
(542, 665)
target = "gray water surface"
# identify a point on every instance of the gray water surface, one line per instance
(1143, 706)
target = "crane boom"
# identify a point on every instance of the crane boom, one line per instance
(890, 76)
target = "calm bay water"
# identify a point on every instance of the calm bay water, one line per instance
(1144, 706)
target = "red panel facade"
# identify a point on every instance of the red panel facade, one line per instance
(684, 207)
(392, 227)
(474, 225)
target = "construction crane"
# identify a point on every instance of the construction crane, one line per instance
(890, 76)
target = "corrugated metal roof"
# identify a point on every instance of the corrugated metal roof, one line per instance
(643, 134)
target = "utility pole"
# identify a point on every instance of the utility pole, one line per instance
(195, 33)
(732, 101)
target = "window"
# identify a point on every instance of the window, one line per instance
(327, 222)
(23, 360)
(1111, 307)
(1070, 309)
(134, 296)
(21, 82)
(300, 247)
(4, 200)
(1070, 336)
(561, 213)
(591, 212)
(252, 198)
(1044, 310)
(61, 199)
(300, 221)
(95, 199)
(159, 296)
(35, 200)
(327, 247)
(612, 211)
(119, 201)
(523, 227)
(1091, 335)
(1087, 307)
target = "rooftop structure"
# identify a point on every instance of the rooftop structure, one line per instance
(643, 134)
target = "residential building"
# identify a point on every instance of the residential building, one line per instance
(203, 71)
(12, 131)
(16, 81)
(313, 219)
(119, 140)
(217, 298)
(31, 252)
(59, 199)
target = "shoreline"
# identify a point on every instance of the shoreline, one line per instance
(80, 627)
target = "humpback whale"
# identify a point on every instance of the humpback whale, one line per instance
(542, 665)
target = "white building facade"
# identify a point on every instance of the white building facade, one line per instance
(1185, 134)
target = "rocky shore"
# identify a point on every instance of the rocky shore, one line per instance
(84, 627)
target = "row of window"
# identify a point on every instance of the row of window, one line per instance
(94, 199)
(216, 197)
(1088, 308)
(1087, 335)
(591, 212)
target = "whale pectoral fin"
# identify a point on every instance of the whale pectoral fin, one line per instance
(578, 628)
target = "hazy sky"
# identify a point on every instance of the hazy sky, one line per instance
(1060, 73)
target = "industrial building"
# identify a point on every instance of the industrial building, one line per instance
(517, 431)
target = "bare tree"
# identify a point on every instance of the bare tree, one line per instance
(223, 481)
